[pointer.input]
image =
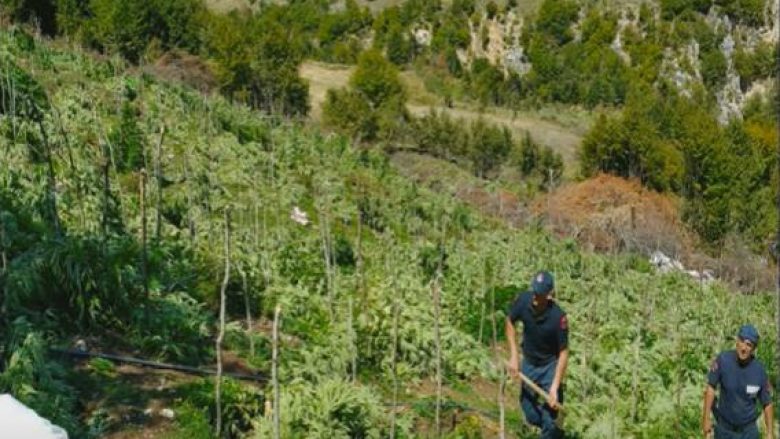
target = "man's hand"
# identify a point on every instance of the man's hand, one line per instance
(552, 399)
(706, 426)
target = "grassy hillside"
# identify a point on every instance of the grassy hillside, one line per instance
(363, 288)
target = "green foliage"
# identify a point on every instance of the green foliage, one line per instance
(97, 281)
(129, 27)
(350, 113)
(755, 65)
(258, 68)
(749, 12)
(489, 146)
(37, 382)
(673, 8)
(241, 405)
(20, 94)
(483, 146)
(627, 321)
(541, 164)
(332, 409)
(400, 47)
(374, 105)
(337, 28)
(555, 19)
(713, 68)
(191, 423)
(376, 79)
(127, 140)
(439, 135)
(629, 145)
(39, 12)
(171, 327)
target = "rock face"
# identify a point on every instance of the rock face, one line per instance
(730, 98)
(497, 39)
(682, 67)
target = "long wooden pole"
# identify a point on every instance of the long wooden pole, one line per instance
(221, 335)
(142, 195)
(275, 372)
(159, 178)
(777, 239)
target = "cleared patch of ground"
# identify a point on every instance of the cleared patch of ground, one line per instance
(544, 125)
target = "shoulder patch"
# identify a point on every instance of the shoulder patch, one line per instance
(564, 322)
(714, 365)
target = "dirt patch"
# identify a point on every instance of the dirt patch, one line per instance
(608, 213)
(322, 77)
(178, 66)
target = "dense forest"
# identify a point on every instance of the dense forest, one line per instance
(188, 212)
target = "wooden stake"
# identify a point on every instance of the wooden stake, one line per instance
(248, 315)
(221, 335)
(275, 371)
(142, 200)
(158, 175)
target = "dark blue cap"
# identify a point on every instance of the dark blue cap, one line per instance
(749, 333)
(542, 283)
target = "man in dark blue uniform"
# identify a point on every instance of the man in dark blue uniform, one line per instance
(743, 384)
(545, 351)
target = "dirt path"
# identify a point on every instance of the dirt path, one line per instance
(561, 138)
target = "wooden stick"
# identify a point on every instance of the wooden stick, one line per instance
(275, 372)
(221, 336)
(538, 390)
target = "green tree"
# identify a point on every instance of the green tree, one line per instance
(555, 18)
(350, 113)
(377, 79)
(489, 146)
(257, 63)
(127, 140)
(41, 12)
(400, 48)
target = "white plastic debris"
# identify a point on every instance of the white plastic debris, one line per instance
(167, 413)
(665, 264)
(299, 216)
(21, 422)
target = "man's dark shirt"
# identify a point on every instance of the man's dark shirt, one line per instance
(544, 335)
(741, 387)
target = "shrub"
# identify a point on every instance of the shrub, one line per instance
(172, 327)
(241, 405)
(331, 409)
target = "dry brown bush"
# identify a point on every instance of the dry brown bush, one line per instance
(608, 213)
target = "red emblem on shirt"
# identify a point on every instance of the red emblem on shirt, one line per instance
(564, 323)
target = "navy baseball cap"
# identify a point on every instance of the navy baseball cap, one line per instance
(749, 333)
(542, 283)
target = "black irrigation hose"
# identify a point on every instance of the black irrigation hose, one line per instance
(146, 363)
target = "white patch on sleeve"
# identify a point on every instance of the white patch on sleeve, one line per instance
(752, 390)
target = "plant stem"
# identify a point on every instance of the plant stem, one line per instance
(221, 335)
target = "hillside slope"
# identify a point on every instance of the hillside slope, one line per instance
(386, 283)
